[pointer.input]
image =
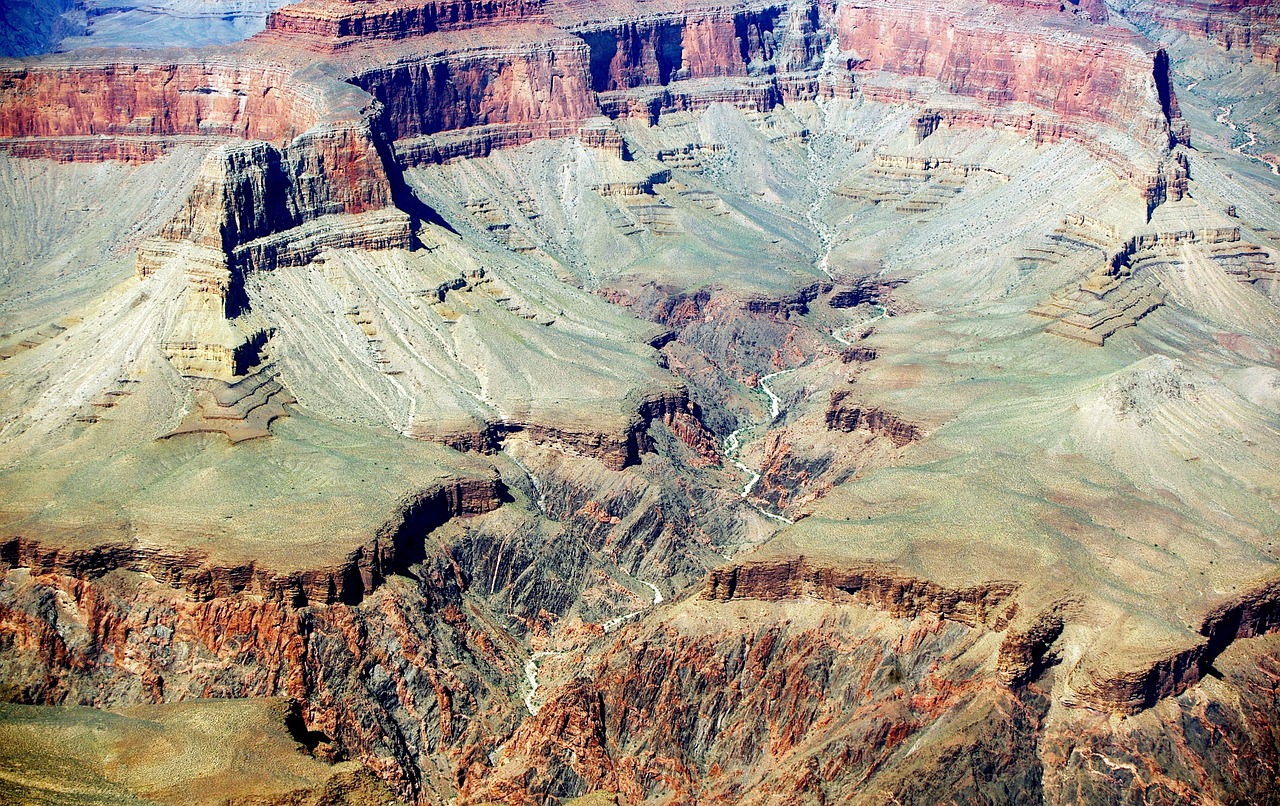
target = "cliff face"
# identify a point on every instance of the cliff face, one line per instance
(844, 414)
(396, 547)
(1251, 26)
(411, 653)
(332, 25)
(544, 79)
(127, 624)
(249, 191)
(900, 595)
(699, 44)
(204, 98)
(1001, 57)
(539, 88)
(130, 642)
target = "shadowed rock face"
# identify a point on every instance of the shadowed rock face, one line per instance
(698, 402)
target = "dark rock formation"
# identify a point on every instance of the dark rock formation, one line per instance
(900, 595)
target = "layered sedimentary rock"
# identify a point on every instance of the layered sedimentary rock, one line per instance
(898, 594)
(341, 287)
(679, 711)
(251, 191)
(543, 81)
(844, 414)
(1126, 287)
(328, 25)
(163, 649)
(536, 86)
(1235, 25)
(207, 97)
(622, 449)
(991, 57)
(242, 409)
(1026, 652)
(398, 545)
(1250, 614)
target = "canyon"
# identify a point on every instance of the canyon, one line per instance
(641, 401)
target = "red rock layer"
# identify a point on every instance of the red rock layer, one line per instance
(1093, 10)
(843, 415)
(747, 713)
(403, 672)
(396, 546)
(899, 595)
(252, 190)
(515, 82)
(539, 87)
(1248, 25)
(208, 99)
(331, 25)
(101, 148)
(1002, 57)
(699, 44)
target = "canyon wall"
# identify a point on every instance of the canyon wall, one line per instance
(249, 191)
(332, 25)
(1004, 57)
(898, 594)
(511, 81)
(398, 545)
(540, 88)
(122, 639)
(207, 97)
(1251, 26)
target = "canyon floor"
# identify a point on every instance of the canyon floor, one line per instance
(546, 401)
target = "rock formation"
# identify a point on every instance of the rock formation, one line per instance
(527, 400)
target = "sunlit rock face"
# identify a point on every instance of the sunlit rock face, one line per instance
(534, 401)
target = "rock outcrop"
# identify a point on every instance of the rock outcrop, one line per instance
(898, 594)
(1026, 652)
(397, 546)
(844, 414)
(306, 252)
(997, 56)
(521, 69)
(1251, 26)
(1125, 286)
(332, 25)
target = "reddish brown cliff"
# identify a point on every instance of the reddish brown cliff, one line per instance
(541, 86)
(1001, 56)
(808, 710)
(1252, 26)
(207, 97)
(395, 547)
(331, 25)
(844, 414)
(897, 594)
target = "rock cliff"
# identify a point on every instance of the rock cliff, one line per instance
(1235, 25)
(898, 594)
(396, 547)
